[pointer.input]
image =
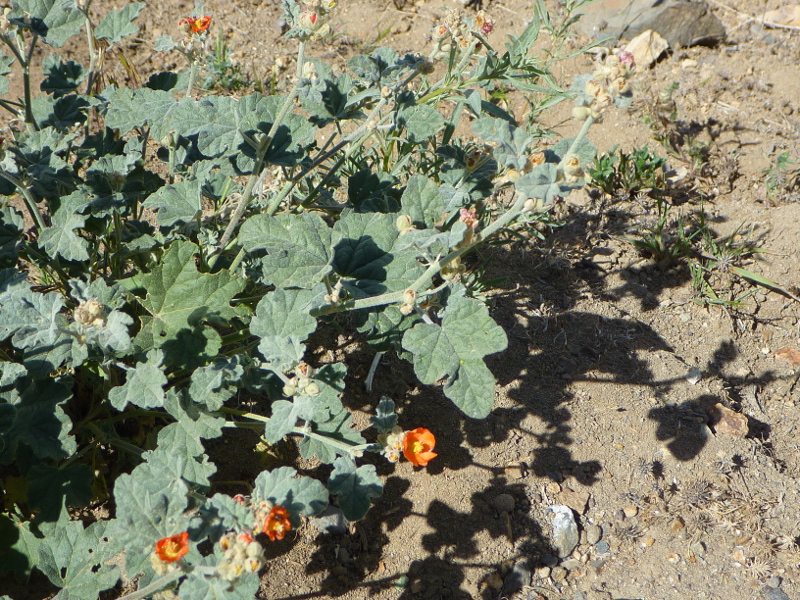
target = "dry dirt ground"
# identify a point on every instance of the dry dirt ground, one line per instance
(593, 408)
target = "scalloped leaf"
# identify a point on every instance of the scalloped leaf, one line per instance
(455, 349)
(298, 247)
(385, 417)
(283, 323)
(119, 24)
(178, 203)
(355, 487)
(298, 495)
(144, 386)
(76, 559)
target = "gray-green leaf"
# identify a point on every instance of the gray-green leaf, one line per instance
(119, 23)
(354, 487)
(455, 349)
(298, 495)
(144, 386)
(283, 323)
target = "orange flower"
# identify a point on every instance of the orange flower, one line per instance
(417, 446)
(172, 548)
(277, 523)
(196, 24)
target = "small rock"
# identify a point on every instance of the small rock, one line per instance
(647, 48)
(681, 22)
(593, 534)
(552, 488)
(676, 525)
(630, 511)
(517, 578)
(674, 558)
(649, 542)
(729, 422)
(558, 574)
(769, 593)
(602, 547)
(688, 63)
(565, 530)
(331, 520)
(543, 572)
(571, 564)
(504, 503)
(774, 581)
(694, 376)
(549, 560)
(738, 555)
(417, 586)
(577, 501)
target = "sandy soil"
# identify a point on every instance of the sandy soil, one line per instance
(594, 408)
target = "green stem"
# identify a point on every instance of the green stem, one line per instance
(90, 40)
(192, 77)
(30, 201)
(248, 192)
(574, 145)
(26, 83)
(345, 447)
(167, 579)
(121, 444)
(426, 278)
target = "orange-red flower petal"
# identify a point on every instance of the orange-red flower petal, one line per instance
(277, 523)
(196, 24)
(418, 445)
(172, 548)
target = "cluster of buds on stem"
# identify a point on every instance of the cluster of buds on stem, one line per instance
(313, 21)
(534, 160)
(90, 314)
(409, 302)
(456, 31)
(469, 217)
(195, 36)
(302, 383)
(6, 27)
(241, 554)
(610, 80)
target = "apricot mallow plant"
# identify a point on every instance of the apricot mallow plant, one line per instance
(170, 258)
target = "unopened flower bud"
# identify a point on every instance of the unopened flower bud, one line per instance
(581, 113)
(312, 389)
(309, 70)
(621, 86)
(410, 297)
(309, 20)
(290, 389)
(404, 224)
(572, 167)
(592, 88)
(604, 100)
(626, 59)
(534, 160)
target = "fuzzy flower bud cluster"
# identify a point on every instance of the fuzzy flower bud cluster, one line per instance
(456, 31)
(241, 554)
(534, 160)
(302, 382)
(409, 302)
(314, 19)
(392, 442)
(610, 80)
(90, 314)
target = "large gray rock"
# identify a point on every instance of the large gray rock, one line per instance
(680, 22)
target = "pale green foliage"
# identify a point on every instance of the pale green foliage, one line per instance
(147, 308)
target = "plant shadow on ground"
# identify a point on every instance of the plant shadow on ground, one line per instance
(551, 345)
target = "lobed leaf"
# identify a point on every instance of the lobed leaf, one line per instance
(298, 495)
(283, 323)
(455, 349)
(355, 487)
(119, 24)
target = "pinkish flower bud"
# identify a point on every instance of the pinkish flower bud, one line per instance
(469, 217)
(308, 20)
(627, 59)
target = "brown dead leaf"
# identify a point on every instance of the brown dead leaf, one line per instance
(790, 355)
(730, 422)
